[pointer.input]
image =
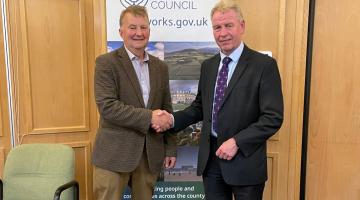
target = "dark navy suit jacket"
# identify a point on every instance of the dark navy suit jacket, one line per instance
(252, 111)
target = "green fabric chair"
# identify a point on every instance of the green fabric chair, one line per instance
(39, 172)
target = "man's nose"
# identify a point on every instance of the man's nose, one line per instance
(138, 31)
(223, 32)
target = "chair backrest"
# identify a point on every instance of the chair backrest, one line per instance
(35, 171)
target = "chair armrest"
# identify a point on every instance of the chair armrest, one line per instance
(60, 189)
(1, 190)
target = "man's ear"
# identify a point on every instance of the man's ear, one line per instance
(120, 32)
(242, 24)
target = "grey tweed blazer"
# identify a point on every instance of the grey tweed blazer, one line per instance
(124, 128)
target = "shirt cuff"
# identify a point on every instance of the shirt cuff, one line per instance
(173, 121)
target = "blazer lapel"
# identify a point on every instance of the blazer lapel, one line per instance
(240, 67)
(153, 76)
(131, 74)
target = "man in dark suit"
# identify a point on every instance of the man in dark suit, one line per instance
(240, 103)
(131, 87)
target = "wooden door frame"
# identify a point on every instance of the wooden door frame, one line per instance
(309, 53)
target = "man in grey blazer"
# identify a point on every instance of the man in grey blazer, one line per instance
(131, 87)
(240, 103)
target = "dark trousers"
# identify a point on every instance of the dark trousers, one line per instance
(217, 189)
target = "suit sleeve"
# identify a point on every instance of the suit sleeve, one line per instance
(271, 112)
(109, 105)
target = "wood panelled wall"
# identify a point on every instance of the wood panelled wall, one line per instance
(5, 141)
(333, 164)
(53, 44)
(53, 47)
(280, 26)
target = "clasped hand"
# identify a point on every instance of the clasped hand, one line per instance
(161, 120)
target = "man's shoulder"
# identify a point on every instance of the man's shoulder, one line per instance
(109, 55)
(108, 60)
(256, 56)
(155, 61)
(214, 58)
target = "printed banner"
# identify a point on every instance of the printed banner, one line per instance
(170, 20)
(181, 35)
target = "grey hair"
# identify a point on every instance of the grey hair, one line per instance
(136, 11)
(224, 5)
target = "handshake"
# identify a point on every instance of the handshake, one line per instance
(161, 120)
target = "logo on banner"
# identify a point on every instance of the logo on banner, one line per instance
(127, 3)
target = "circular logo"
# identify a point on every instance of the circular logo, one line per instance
(127, 3)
